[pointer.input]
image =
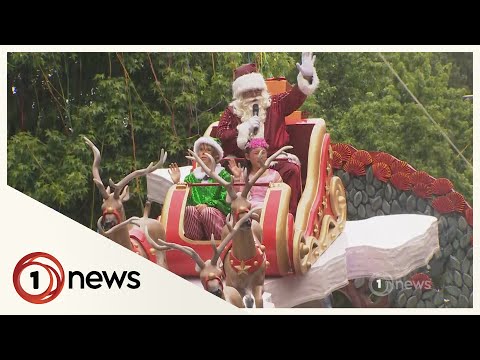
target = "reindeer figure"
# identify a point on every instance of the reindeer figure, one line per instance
(115, 228)
(210, 271)
(113, 213)
(138, 239)
(245, 262)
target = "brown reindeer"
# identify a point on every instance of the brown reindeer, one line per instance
(245, 262)
(210, 271)
(113, 212)
(137, 238)
(116, 228)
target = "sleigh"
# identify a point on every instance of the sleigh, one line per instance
(318, 251)
(293, 244)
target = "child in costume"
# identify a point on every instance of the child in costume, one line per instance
(255, 153)
(206, 208)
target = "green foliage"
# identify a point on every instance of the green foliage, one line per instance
(54, 172)
(388, 119)
(131, 105)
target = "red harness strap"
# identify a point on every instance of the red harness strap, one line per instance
(138, 235)
(113, 211)
(206, 279)
(250, 265)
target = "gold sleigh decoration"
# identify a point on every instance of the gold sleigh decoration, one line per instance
(331, 214)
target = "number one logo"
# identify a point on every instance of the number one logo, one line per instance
(34, 275)
(50, 292)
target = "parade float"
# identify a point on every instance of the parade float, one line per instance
(368, 226)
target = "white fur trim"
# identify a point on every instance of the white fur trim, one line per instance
(246, 82)
(200, 174)
(209, 141)
(305, 86)
(243, 134)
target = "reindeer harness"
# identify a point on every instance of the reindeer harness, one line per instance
(208, 278)
(139, 235)
(112, 211)
(250, 265)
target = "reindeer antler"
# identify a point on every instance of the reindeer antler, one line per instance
(218, 250)
(116, 227)
(167, 246)
(214, 246)
(149, 238)
(263, 168)
(146, 209)
(210, 172)
(186, 250)
(95, 168)
(137, 173)
(153, 243)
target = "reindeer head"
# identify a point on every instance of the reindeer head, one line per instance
(113, 212)
(210, 271)
(239, 203)
(115, 228)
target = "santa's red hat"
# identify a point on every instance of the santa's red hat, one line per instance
(247, 78)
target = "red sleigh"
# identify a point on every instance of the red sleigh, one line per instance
(292, 244)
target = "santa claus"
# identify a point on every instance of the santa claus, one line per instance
(255, 113)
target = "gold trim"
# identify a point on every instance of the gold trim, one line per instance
(166, 206)
(181, 186)
(300, 243)
(338, 200)
(310, 191)
(332, 226)
(282, 229)
(324, 201)
(328, 233)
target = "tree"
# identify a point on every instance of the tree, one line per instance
(133, 104)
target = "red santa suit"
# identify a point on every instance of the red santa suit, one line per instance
(274, 129)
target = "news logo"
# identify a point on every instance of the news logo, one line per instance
(45, 278)
(383, 285)
(28, 287)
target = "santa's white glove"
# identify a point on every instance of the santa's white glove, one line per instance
(254, 123)
(307, 67)
(249, 125)
(245, 129)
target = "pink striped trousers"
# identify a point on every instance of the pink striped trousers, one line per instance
(200, 226)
